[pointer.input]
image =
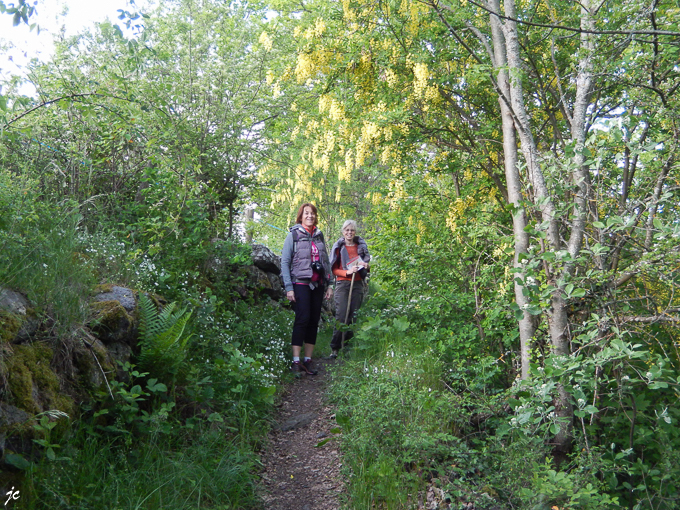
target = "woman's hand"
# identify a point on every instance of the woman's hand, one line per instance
(291, 296)
(329, 293)
(357, 268)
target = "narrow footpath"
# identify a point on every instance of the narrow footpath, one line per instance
(296, 473)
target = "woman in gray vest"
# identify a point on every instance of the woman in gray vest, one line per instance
(349, 260)
(306, 273)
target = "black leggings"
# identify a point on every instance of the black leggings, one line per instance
(307, 314)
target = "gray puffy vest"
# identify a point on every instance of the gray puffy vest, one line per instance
(301, 259)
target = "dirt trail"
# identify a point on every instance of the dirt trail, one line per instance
(298, 475)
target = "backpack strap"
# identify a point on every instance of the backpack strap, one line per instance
(295, 239)
(296, 234)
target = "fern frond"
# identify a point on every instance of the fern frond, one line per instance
(148, 315)
(162, 337)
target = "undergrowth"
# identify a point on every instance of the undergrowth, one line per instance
(202, 470)
(180, 428)
(425, 420)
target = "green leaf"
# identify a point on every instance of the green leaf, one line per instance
(534, 310)
(401, 324)
(16, 460)
(342, 420)
(215, 418)
(578, 293)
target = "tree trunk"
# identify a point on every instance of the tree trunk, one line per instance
(527, 324)
(250, 217)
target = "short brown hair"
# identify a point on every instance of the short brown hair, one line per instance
(302, 210)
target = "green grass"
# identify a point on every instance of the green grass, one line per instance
(206, 471)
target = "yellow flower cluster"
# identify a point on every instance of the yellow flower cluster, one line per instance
(432, 94)
(457, 210)
(322, 162)
(397, 193)
(348, 13)
(370, 130)
(276, 90)
(316, 31)
(503, 289)
(389, 76)
(344, 173)
(312, 126)
(362, 152)
(324, 102)
(422, 229)
(385, 155)
(329, 140)
(304, 68)
(413, 9)
(501, 250)
(349, 164)
(336, 110)
(266, 41)
(375, 198)
(420, 77)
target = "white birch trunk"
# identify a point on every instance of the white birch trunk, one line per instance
(527, 324)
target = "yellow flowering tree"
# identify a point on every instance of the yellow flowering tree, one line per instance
(565, 109)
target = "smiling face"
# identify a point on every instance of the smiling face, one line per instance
(348, 233)
(308, 217)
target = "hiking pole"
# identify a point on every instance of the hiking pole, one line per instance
(349, 302)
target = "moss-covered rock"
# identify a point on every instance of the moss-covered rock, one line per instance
(103, 288)
(126, 297)
(18, 321)
(91, 372)
(33, 385)
(10, 324)
(112, 322)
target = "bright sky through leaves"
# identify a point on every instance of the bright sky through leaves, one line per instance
(19, 44)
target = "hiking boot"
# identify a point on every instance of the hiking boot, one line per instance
(334, 354)
(306, 367)
(297, 368)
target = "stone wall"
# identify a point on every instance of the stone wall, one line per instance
(30, 383)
